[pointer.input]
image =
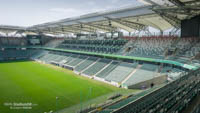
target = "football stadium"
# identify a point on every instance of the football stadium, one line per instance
(142, 58)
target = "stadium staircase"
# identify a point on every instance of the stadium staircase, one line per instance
(130, 43)
(173, 46)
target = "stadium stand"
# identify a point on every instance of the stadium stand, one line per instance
(118, 71)
(121, 72)
(173, 73)
(108, 69)
(71, 59)
(153, 47)
(146, 72)
(38, 54)
(16, 54)
(128, 100)
(112, 70)
(102, 46)
(188, 48)
(172, 97)
(54, 42)
(59, 58)
(183, 50)
(94, 47)
(13, 41)
(96, 67)
(124, 73)
(85, 64)
(77, 60)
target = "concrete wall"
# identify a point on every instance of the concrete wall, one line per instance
(156, 81)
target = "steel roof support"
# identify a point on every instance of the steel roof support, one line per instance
(96, 27)
(172, 19)
(177, 3)
(131, 25)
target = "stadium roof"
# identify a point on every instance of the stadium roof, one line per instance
(158, 14)
(14, 28)
(129, 19)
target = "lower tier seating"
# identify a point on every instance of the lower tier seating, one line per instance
(96, 67)
(85, 64)
(77, 60)
(108, 69)
(121, 72)
(16, 54)
(146, 72)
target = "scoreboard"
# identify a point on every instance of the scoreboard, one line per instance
(190, 27)
(34, 39)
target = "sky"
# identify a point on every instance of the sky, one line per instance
(32, 12)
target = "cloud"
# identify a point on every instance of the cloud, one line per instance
(66, 12)
(114, 1)
(91, 3)
(70, 12)
(63, 10)
(54, 10)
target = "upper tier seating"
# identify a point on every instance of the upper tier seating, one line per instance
(189, 47)
(54, 43)
(153, 47)
(181, 49)
(102, 46)
(186, 49)
(12, 41)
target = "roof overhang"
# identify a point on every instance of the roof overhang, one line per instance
(158, 14)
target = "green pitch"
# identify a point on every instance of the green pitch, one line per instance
(35, 87)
